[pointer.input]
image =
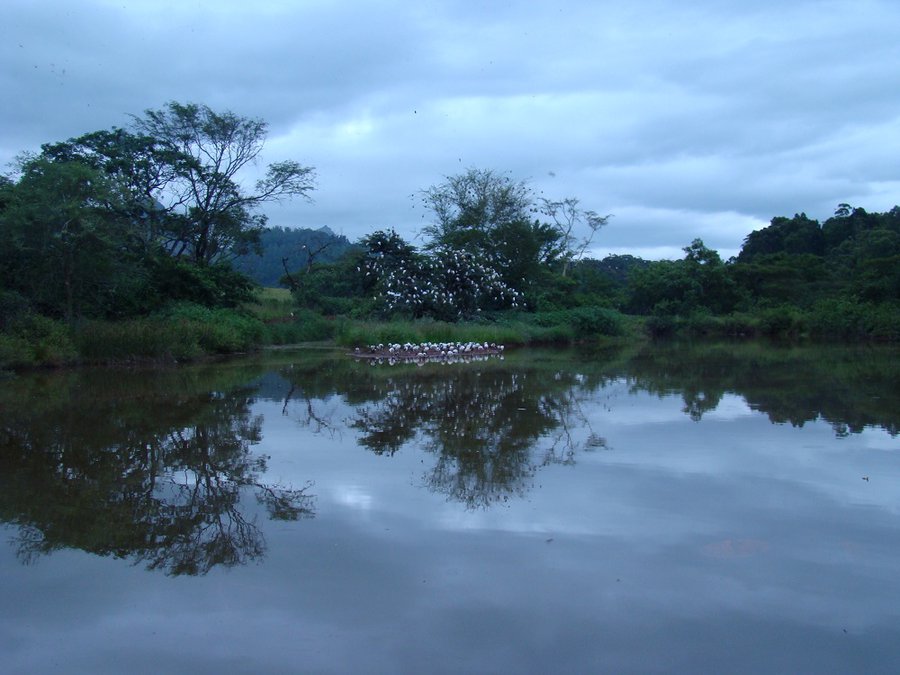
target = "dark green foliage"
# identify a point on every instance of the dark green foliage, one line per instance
(468, 206)
(117, 224)
(296, 248)
(141, 339)
(796, 261)
(217, 285)
(601, 282)
(524, 252)
(664, 287)
(31, 339)
(795, 236)
(329, 289)
(617, 268)
(713, 289)
(182, 331)
(847, 319)
(60, 246)
(847, 224)
(141, 168)
(304, 326)
(878, 279)
(585, 322)
(777, 278)
(218, 330)
(218, 215)
(13, 306)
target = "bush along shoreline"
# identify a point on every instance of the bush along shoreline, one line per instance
(187, 332)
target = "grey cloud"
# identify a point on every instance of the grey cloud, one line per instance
(696, 112)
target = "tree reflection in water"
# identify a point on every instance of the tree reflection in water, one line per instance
(155, 479)
(850, 387)
(489, 427)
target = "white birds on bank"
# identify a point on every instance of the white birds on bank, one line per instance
(425, 351)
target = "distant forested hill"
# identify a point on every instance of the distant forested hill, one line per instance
(295, 245)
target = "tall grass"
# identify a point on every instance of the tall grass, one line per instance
(553, 327)
(180, 333)
(271, 304)
(32, 340)
(138, 339)
(303, 326)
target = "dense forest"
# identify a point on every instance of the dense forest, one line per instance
(146, 241)
(837, 279)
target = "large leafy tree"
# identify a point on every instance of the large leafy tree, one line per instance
(489, 214)
(795, 236)
(214, 150)
(468, 207)
(142, 169)
(61, 248)
(180, 171)
(119, 221)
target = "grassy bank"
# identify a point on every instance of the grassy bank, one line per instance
(185, 332)
(511, 329)
(181, 333)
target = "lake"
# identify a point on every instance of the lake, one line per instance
(665, 508)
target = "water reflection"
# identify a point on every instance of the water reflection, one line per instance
(153, 469)
(488, 427)
(482, 427)
(849, 387)
(491, 426)
(158, 467)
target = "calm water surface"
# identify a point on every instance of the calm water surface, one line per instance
(670, 509)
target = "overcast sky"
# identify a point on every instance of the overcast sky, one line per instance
(683, 119)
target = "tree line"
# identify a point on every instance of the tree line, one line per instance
(495, 248)
(124, 222)
(120, 222)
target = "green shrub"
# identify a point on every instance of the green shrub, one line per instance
(215, 285)
(780, 321)
(13, 306)
(181, 332)
(836, 318)
(882, 321)
(271, 304)
(49, 342)
(304, 326)
(661, 325)
(137, 339)
(583, 321)
(15, 352)
(739, 325)
(219, 331)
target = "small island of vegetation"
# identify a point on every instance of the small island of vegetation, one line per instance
(144, 244)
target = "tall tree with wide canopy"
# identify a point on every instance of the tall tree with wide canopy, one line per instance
(117, 222)
(221, 217)
(480, 211)
(469, 206)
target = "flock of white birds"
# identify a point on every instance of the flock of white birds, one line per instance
(429, 351)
